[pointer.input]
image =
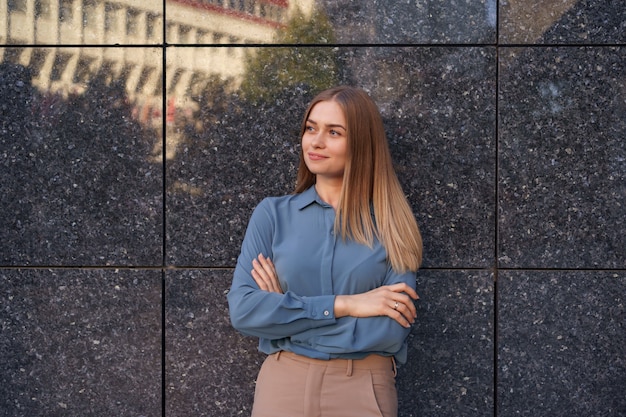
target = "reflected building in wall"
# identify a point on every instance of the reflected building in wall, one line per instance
(68, 42)
(218, 22)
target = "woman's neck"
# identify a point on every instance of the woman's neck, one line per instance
(329, 192)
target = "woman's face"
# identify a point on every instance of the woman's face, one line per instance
(325, 141)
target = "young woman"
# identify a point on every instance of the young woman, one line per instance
(326, 276)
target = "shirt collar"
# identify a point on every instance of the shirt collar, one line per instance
(308, 197)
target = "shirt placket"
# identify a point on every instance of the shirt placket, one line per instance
(329, 251)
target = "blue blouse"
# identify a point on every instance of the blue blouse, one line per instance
(313, 266)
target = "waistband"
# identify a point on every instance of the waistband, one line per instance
(371, 362)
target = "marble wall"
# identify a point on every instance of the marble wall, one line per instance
(122, 210)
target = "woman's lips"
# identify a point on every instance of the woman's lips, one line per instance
(316, 156)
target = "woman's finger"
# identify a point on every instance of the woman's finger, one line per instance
(264, 274)
(403, 311)
(405, 288)
(260, 277)
(268, 265)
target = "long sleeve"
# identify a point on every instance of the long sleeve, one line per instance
(351, 335)
(271, 315)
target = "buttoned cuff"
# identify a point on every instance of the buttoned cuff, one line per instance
(323, 308)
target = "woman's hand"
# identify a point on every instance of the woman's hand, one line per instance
(395, 301)
(264, 274)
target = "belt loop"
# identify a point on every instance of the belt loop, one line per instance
(349, 370)
(395, 368)
(278, 354)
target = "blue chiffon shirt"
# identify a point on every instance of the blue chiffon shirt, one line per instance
(313, 266)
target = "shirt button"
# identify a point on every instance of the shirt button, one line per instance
(326, 312)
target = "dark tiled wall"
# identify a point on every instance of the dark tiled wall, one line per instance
(119, 229)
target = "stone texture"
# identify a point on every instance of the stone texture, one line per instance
(79, 184)
(562, 22)
(440, 125)
(561, 341)
(562, 169)
(451, 357)
(409, 22)
(210, 368)
(80, 342)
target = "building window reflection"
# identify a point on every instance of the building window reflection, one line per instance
(60, 63)
(151, 20)
(170, 31)
(17, 5)
(202, 36)
(248, 7)
(146, 73)
(132, 22)
(83, 70)
(66, 10)
(184, 34)
(38, 59)
(42, 9)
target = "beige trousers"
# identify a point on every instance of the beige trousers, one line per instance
(291, 385)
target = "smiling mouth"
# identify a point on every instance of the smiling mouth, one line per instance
(316, 157)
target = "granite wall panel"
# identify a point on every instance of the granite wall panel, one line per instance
(451, 357)
(562, 157)
(210, 370)
(81, 180)
(80, 342)
(136, 137)
(561, 343)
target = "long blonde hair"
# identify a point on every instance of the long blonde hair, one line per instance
(368, 180)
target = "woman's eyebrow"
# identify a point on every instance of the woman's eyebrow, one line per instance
(332, 125)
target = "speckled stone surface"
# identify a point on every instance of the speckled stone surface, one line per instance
(561, 340)
(562, 22)
(80, 185)
(411, 22)
(451, 357)
(80, 343)
(562, 162)
(439, 110)
(210, 368)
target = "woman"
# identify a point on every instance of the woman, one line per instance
(326, 276)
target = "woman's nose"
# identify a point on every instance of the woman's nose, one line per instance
(317, 140)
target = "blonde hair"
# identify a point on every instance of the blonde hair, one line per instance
(368, 180)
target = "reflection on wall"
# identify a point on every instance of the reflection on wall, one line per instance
(533, 17)
(214, 22)
(105, 24)
(67, 71)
